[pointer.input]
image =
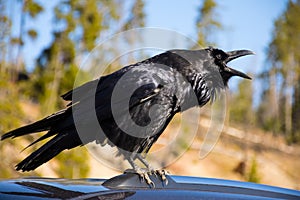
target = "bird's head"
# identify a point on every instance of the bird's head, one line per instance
(221, 59)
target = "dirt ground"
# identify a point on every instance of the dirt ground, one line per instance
(274, 167)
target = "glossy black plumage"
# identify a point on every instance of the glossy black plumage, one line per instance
(172, 81)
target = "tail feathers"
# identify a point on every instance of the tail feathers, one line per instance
(41, 125)
(47, 135)
(49, 150)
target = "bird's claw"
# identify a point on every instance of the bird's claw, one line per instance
(145, 177)
(162, 174)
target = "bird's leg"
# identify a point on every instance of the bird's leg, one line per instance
(143, 173)
(144, 161)
(160, 172)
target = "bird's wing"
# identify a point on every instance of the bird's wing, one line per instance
(120, 91)
(87, 87)
(91, 88)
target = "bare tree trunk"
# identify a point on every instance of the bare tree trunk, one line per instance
(287, 107)
(274, 101)
(296, 104)
(57, 66)
(54, 87)
(3, 35)
(19, 60)
(273, 93)
(289, 88)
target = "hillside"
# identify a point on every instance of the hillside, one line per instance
(234, 156)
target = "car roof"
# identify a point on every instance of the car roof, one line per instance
(129, 186)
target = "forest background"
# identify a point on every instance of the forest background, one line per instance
(36, 69)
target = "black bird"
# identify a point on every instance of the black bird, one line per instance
(133, 105)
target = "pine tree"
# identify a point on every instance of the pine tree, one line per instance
(241, 112)
(79, 24)
(285, 58)
(137, 16)
(207, 23)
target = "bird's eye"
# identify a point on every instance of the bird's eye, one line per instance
(218, 56)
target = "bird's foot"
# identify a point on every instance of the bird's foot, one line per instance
(145, 174)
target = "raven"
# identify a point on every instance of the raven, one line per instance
(144, 95)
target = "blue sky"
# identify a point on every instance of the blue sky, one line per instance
(246, 25)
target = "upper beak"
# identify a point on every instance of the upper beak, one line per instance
(233, 55)
(236, 54)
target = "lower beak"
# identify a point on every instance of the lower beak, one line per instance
(233, 55)
(234, 72)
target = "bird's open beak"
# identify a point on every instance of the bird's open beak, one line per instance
(233, 55)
